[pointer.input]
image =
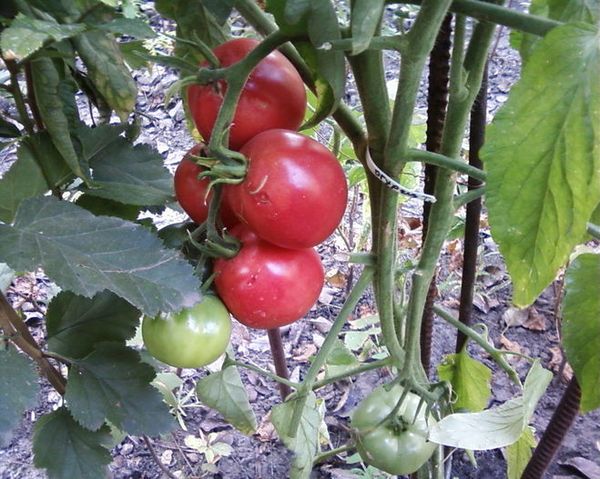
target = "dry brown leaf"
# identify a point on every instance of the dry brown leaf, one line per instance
(535, 321)
(345, 389)
(335, 278)
(513, 347)
(515, 316)
(556, 359)
(266, 430)
(306, 352)
(323, 325)
(589, 469)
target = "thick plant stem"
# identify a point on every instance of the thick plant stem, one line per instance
(437, 101)
(279, 360)
(15, 89)
(462, 95)
(564, 415)
(435, 159)
(476, 140)
(332, 335)
(380, 363)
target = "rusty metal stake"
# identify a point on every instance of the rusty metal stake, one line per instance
(279, 360)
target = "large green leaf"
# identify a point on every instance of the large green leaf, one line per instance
(68, 451)
(26, 178)
(495, 427)
(133, 27)
(519, 453)
(87, 254)
(366, 16)
(469, 378)
(112, 383)
(75, 324)
(581, 326)
(225, 392)
(306, 443)
(26, 35)
(122, 172)
(18, 391)
(542, 156)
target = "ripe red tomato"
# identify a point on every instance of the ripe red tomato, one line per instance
(266, 286)
(273, 97)
(295, 192)
(191, 192)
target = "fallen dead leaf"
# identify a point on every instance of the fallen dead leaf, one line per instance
(556, 359)
(588, 468)
(535, 321)
(266, 430)
(335, 278)
(323, 325)
(318, 339)
(513, 347)
(307, 351)
(515, 316)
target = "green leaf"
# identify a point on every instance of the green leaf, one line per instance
(366, 15)
(290, 15)
(111, 383)
(26, 179)
(87, 254)
(66, 450)
(75, 324)
(134, 53)
(219, 9)
(6, 277)
(166, 383)
(18, 392)
(495, 427)
(469, 378)
(8, 130)
(542, 157)
(103, 207)
(107, 70)
(134, 27)
(340, 360)
(519, 453)
(122, 172)
(306, 443)
(47, 86)
(26, 35)
(225, 392)
(581, 326)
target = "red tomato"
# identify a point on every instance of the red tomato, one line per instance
(266, 286)
(295, 192)
(191, 192)
(273, 97)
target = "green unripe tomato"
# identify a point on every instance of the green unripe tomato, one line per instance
(398, 446)
(191, 338)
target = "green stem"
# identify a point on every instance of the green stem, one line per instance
(13, 69)
(497, 355)
(333, 452)
(387, 42)
(593, 230)
(462, 200)
(446, 162)
(380, 363)
(263, 372)
(321, 357)
(488, 12)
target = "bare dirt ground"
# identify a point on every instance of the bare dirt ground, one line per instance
(262, 455)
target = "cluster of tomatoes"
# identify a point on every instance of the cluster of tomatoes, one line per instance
(292, 198)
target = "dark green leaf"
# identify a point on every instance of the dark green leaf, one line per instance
(306, 443)
(111, 383)
(225, 392)
(107, 70)
(519, 453)
(470, 380)
(134, 27)
(66, 450)
(87, 254)
(26, 179)
(46, 84)
(8, 130)
(123, 172)
(25, 35)
(581, 326)
(290, 16)
(103, 207)
(18, 392)
(134, 53)
(542, 160)
(75, 324)
(219, 9)
(295, 10)
(366, 16)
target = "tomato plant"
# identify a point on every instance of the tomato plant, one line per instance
(273, 96)
(295, 192)
(191, 192)
(191, 338)
(266, 286)
(399, 445)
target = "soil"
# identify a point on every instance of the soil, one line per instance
(262, 455)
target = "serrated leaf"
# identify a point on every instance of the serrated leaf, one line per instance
(26, 35)
(18, 392)
(366, 15)
(134, 27)
(26, 179)
(519, 453)
(66, 450)
(87, 254)
(122, 172)
(542, 157)
(225, 392)
(306, 443)
(104, 207)
(75, 324)
(496, 427)
(111, 383)
(469, 378)
(581, 326)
